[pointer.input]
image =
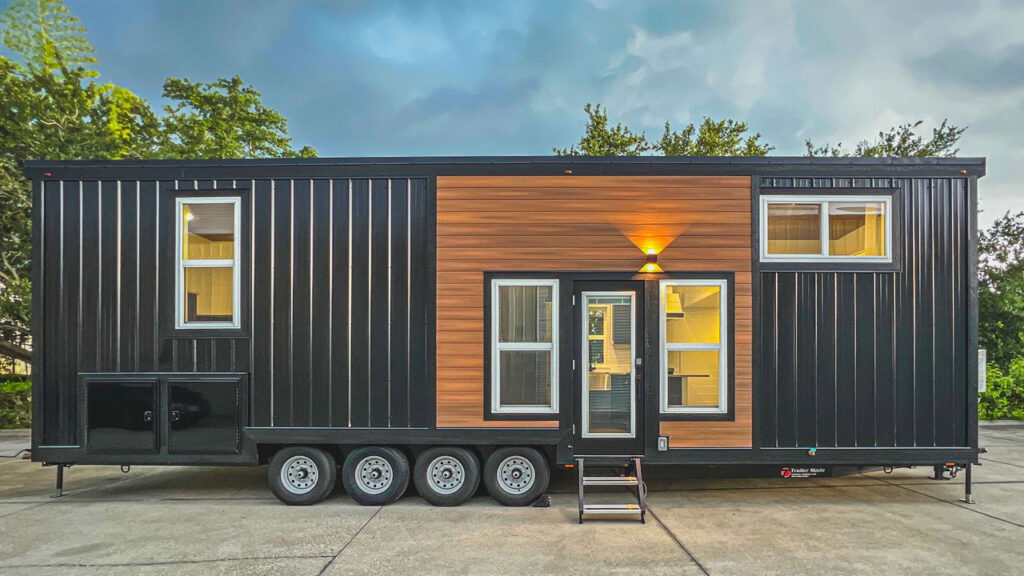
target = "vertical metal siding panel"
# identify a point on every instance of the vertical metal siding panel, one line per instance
(942, 327)
(806, 358)
(884, 373)
(321, 353)
(89, 321)
(301, 303)
(846, 365)
(55, 383)
(958, 257)
(63, 235)
(108, 277)
(826, 377)
(905, 318)
(769, 359)
(281, 350)
(422, 400)
(924, 320)
(147, 273)
(379, 302)
(263, 305)
(864, 293)
(340, 325)
(128, 297)
(786, 375)
(359, 400)
(399, 345)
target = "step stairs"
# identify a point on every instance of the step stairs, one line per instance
(632, 480)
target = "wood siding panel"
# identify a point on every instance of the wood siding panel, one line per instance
(597, 223)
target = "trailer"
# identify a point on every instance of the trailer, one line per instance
(448, 321)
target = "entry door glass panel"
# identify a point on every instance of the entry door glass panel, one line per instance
(204, 417)
(609, 350)
(121, 417)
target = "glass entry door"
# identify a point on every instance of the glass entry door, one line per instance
(608, 375)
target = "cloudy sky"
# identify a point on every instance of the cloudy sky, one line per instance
(419, 78)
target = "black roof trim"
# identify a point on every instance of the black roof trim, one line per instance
(795, 166)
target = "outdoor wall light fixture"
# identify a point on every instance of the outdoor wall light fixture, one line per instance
(651, 265)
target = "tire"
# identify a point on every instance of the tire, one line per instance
(516, 476)
(375, 475)
(302, 475)
(447, 476)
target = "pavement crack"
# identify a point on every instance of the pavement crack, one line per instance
(986, 459)
(335, 557)
(957, 504)
(678, 542)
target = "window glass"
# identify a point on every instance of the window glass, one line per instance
(525, 377)
(693, 314)
(209, 231)
(794, 228)
(856, 228)
(209, 294)
(693, 378)
(525, 313)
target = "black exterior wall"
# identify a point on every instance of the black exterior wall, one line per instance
(901, 391)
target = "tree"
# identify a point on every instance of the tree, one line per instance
(714, 138)
(600, 140)
(223, 119)
(899, 141)
(1001, 289)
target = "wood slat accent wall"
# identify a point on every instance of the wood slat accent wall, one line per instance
(583, 223)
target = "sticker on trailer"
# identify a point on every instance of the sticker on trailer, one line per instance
(792, 472)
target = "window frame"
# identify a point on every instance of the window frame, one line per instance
(723, 348)
(181, 263)
(823, 200)
(497, 346)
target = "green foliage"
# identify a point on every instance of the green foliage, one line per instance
(51, 107)
(600, 140)
(15, 404)
(1003, 398)
(714, 138)
(899, 141)
(1001, 289)
(223, 119)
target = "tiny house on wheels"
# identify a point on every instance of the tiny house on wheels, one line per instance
(451, 321)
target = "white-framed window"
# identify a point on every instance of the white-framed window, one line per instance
(836, 228)
(694, 346)
(207, 273)
(524, 350)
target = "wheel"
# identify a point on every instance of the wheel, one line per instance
(302, 475)
(446, 476)
(375, 475)
(516, 476)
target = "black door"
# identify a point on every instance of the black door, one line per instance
(608, 375)
(121, 417)
(205, 415)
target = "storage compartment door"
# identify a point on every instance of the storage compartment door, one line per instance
(206, 415)
(121, 416)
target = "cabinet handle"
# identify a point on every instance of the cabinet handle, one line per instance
(175, 415)
(147, 416)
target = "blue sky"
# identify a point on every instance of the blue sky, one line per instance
(433, 78)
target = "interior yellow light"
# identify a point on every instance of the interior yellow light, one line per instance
(190, 216)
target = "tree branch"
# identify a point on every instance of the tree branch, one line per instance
(15, 351)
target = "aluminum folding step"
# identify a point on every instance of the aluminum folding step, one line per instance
(634, 482)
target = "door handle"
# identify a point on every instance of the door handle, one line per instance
(147, 416)
(639, 362)
(175, 415)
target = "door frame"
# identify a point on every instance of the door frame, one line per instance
(600, 445)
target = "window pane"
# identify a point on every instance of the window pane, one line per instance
(524, 313)
(693, 378)
(525, 378)
(856, 228)
(693, 314)
(794, 228)
(210, 231)
(209, 294)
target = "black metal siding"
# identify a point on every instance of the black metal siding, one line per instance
(334, 297)
(873, 359)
